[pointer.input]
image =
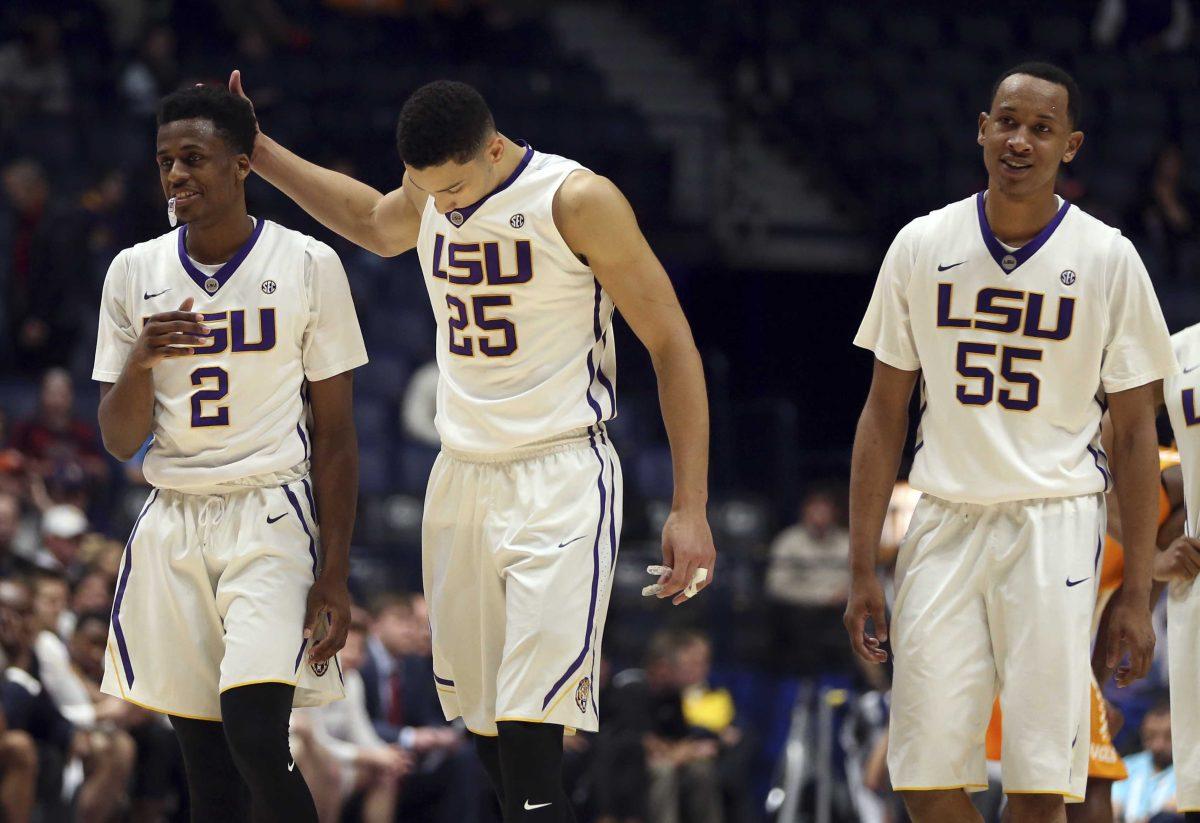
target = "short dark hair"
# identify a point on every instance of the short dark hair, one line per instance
(442, 121)
(232, 116)
(1053, 74)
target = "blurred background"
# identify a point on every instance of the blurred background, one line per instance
(771, 149)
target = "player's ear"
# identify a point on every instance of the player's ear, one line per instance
(242, 163)
(983, 118)
(494, 148)
(1074, 141)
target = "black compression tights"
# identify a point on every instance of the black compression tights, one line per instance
(525, 766)
(241, 769)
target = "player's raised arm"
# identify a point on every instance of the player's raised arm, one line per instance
(385, 224)
(598, 224)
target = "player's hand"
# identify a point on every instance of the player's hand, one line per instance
(235, 87)
(687, 545)
(1179, 561)
(328, 599)
(866, 601)
(169, 334)
(1130, 631)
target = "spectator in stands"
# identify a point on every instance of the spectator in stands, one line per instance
(153, 73)
(34, 77)
(1143, 25)
(401, 699)
(63, 528)
(12, 462)
(1168, 214)
(24, 236)
(420, 404)
(808, 576)
(10, 524)
(712, 710)
(51, 604)
(60, 447)
(650, 765)
(338, 750)
(1150, 788)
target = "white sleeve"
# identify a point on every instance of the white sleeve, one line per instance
(886, 329)
(115, 334)
(1138, 348)
(333, 341)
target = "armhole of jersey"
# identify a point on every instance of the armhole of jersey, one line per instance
(584, 268)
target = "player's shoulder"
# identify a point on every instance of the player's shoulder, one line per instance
(947, 221)
(1083, 224)
(153, 249)
(314, 250)
(1186, 339)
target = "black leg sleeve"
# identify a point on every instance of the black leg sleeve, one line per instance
(531, 766)
(216, 790)
(256, 728)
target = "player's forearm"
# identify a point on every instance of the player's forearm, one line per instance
(126, 412)
(684, 401)
(335, 483)
(339, 202)
(878, 444)
(1135, 472)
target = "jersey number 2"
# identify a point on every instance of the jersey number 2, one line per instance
(460, 318)
(203, 377)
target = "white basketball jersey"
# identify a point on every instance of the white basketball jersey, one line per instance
(1180, 394)
(1017, 349)
(279, 313)
(524, 338)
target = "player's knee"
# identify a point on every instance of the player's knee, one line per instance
(1029, 808)
(929, 805)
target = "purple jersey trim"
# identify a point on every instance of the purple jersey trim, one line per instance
(1099, 552)
(116, 611)
(300, 654)
(1019, 256)
(464, 214)
(587, 635)
(443, 681)
(227, 270)
(312, 543)
(303, 439)
(1103, 472)
(312, 506)
(602, 338)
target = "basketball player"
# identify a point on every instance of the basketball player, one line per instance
(1183, 592)
(1105, 765)
(216, 339)
(1024, 317)
(526, 256)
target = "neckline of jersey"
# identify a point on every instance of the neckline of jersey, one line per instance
(460, 216)
(1011, 261)
(222, 275)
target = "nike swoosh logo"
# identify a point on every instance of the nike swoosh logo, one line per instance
(1191, 368)
(1071, 582)
(271, 519)
(530, 808)
(569, 542)
(291, 765)
(147, 295)
(952, 265)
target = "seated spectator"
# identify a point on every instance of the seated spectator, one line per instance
(1150, 787)
(63, 529)
(1168, 213)
(338, 750)
(11, 561)
(650, 765)
(56, 443)
(712, 710)
(31, 694)
(401, 697)
(808, 578)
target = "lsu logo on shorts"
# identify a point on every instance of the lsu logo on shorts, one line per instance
(583, 694)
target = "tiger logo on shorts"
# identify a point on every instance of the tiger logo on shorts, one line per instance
(319, 669)
(583, 694)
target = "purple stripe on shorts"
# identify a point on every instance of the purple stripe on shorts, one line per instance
(116, 611)
(312, 543)
(300, 655)
(443, 681)
(587, 635)
(312, 506)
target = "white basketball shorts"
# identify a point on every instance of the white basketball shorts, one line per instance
(518, 553)
(989, 599)
(1183, 639)
(211, 596)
